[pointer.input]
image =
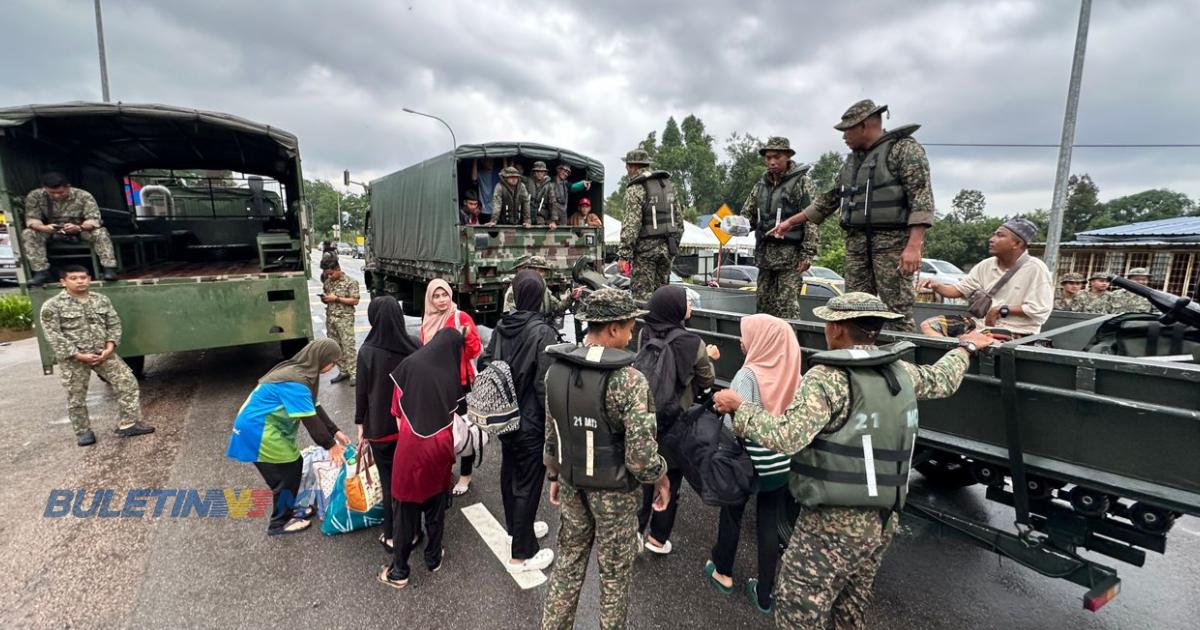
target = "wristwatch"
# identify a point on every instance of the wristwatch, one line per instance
(969, 346)
(1003, 311)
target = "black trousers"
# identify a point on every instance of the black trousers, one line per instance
(408, 517)
(522, 475)
(466, 465)
(770, 506)
(661, 523)
(384, 452)
(284, 482)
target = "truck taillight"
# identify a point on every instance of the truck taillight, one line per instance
(485, 298)
(1102, 594)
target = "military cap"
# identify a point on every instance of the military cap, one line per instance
(609, 305)
(539, 166)
(859, 112)
(1100, 274)
(853, 306)
(637, 156)
(1071, 277)
(510, 171)
(1138, 271)
(536, 262)
(777, 143)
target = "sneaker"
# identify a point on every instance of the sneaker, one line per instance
(441, 559)
(662, 551)
(108, 273)
(539, 561)
(339, 378)
(540, 529)
(40, 277)
(386, 579)
(135, 430)
(291, 527)
(87, 438)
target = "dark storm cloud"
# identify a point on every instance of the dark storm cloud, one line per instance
(597, 77)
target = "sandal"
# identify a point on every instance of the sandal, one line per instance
(387, 544)
(293, 526)
(460, 488)
(383, 577)
(709, 570)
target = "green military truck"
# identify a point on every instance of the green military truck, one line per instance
(206, 212)
(414, 235)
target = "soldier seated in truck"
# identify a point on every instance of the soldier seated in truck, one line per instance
(59, 212)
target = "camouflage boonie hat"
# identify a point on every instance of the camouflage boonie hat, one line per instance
(539, 166)
(536, 262)
(853, 306)
(1137, 271)
(510, 171)
(637, 156)
(777, 143)
(859, 112)
(609, 305)
(564, 166)
(1099, 275)
(1071, 277)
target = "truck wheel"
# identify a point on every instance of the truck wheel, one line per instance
(1151, 519)
(137, 365)
(1038, 488)
(987, 473)
(289, 347)
(1089, 502)
(947, 470)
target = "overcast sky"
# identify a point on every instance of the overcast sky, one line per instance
(596, 77)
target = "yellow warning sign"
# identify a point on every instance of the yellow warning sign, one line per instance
(714, 224)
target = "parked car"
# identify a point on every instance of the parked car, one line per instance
(827, 275)
(345, 249)
(359, 251)
(8, 262)
(941, 271)
(731, 277)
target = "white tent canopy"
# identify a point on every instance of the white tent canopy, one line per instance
(694, 237)
(612, 231)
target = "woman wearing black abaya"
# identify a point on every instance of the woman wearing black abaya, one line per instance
(520, 340)
(693, 373)
(385, 347)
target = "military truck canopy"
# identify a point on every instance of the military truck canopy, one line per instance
(593, 169)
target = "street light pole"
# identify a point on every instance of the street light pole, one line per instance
(1054, 234)
(103, 56)
(451, 130)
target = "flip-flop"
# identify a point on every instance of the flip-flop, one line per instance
(711, 568)
(460, 489)
(386, 545)
(383, 577)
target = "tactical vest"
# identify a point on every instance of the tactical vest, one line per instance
(510, 204)
(864, 462)
(774, 205)
(541, 201)
(591, 446)
(872, 195)
(658, 216)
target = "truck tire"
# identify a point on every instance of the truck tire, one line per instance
(947, 470)
(1151, 519)
(289, 347)
(1088, 502)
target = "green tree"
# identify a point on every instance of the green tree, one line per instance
(832, 252)
(1083, 205)
(968, 205)
(744, 168)
(1148, 205)
(825, 171)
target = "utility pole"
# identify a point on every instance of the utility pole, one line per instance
(103, 56)
(1054, 235)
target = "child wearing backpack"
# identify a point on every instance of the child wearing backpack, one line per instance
(679, 367)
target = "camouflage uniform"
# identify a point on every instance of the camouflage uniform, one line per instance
(780, 281)
(510, 206)
(86, 325)
(339, 321)
(1061, 303)
(651, 257)
(878, 272)
(551, 304)
(542, 202)
(1122, 301)
(606, 519)
(1088, 302)
(80, 208)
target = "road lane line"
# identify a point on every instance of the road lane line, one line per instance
(496, 539)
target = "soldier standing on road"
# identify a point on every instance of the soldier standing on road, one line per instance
(844, 528)
(651, 226)
(1095, 299)
(340, 293)
(600, 449)
(541, 199)
(782, 193)
(1122, 301)
(56, 210)
(510, 202)
(1072, 284)
(886, 202)
(84, 329)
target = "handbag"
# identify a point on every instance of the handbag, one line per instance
(363, 491)
(339, 518)
(981, 301)
(469, 439)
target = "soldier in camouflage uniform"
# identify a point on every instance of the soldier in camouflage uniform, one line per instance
(784, 190)
(828, 571)
(84, 329)
(1072, 284)
(551, 305)
(340, 293)
(885, 200)
(1095, 299)
(1122, 301)
(56, 210)
(510, 201)
(606, 517)
(651, 226)
(541, 198)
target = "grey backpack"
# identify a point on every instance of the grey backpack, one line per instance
(492, 401)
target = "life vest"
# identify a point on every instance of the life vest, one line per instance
(658, 215)
(872, 194)
(775, 204)
(510, 204)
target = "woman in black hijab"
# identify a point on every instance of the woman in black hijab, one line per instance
(520, 340)
(693, 373)
(385, 347)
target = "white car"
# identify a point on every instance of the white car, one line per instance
(941, 271)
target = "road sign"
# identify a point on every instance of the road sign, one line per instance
(714, 224)
(360, 240)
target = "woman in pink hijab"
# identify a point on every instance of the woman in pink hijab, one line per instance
(770, 377)
(441, 312)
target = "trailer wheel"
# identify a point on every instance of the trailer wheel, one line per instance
(1151, 519)
(987, 473)
(1089, 502)
(947, 470)
(1038, 488)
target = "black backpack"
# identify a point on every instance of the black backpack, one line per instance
(712, 459)
(657, 362)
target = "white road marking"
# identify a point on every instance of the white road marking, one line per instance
(496, 539)
(1190, 531)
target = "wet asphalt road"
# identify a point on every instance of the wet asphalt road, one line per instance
(223, 572)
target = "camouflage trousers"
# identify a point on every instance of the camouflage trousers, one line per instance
(828, 572)
(341, 330)
(76, 376)
(607, 518)
(651, 267)
(33, 246)
(779, 292)
(879, 274)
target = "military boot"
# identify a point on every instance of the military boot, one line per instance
(342, 376)
(134, 430)
(108, 273)
(40, 277)
(87, 438)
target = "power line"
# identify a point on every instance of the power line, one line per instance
(1020, 145)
